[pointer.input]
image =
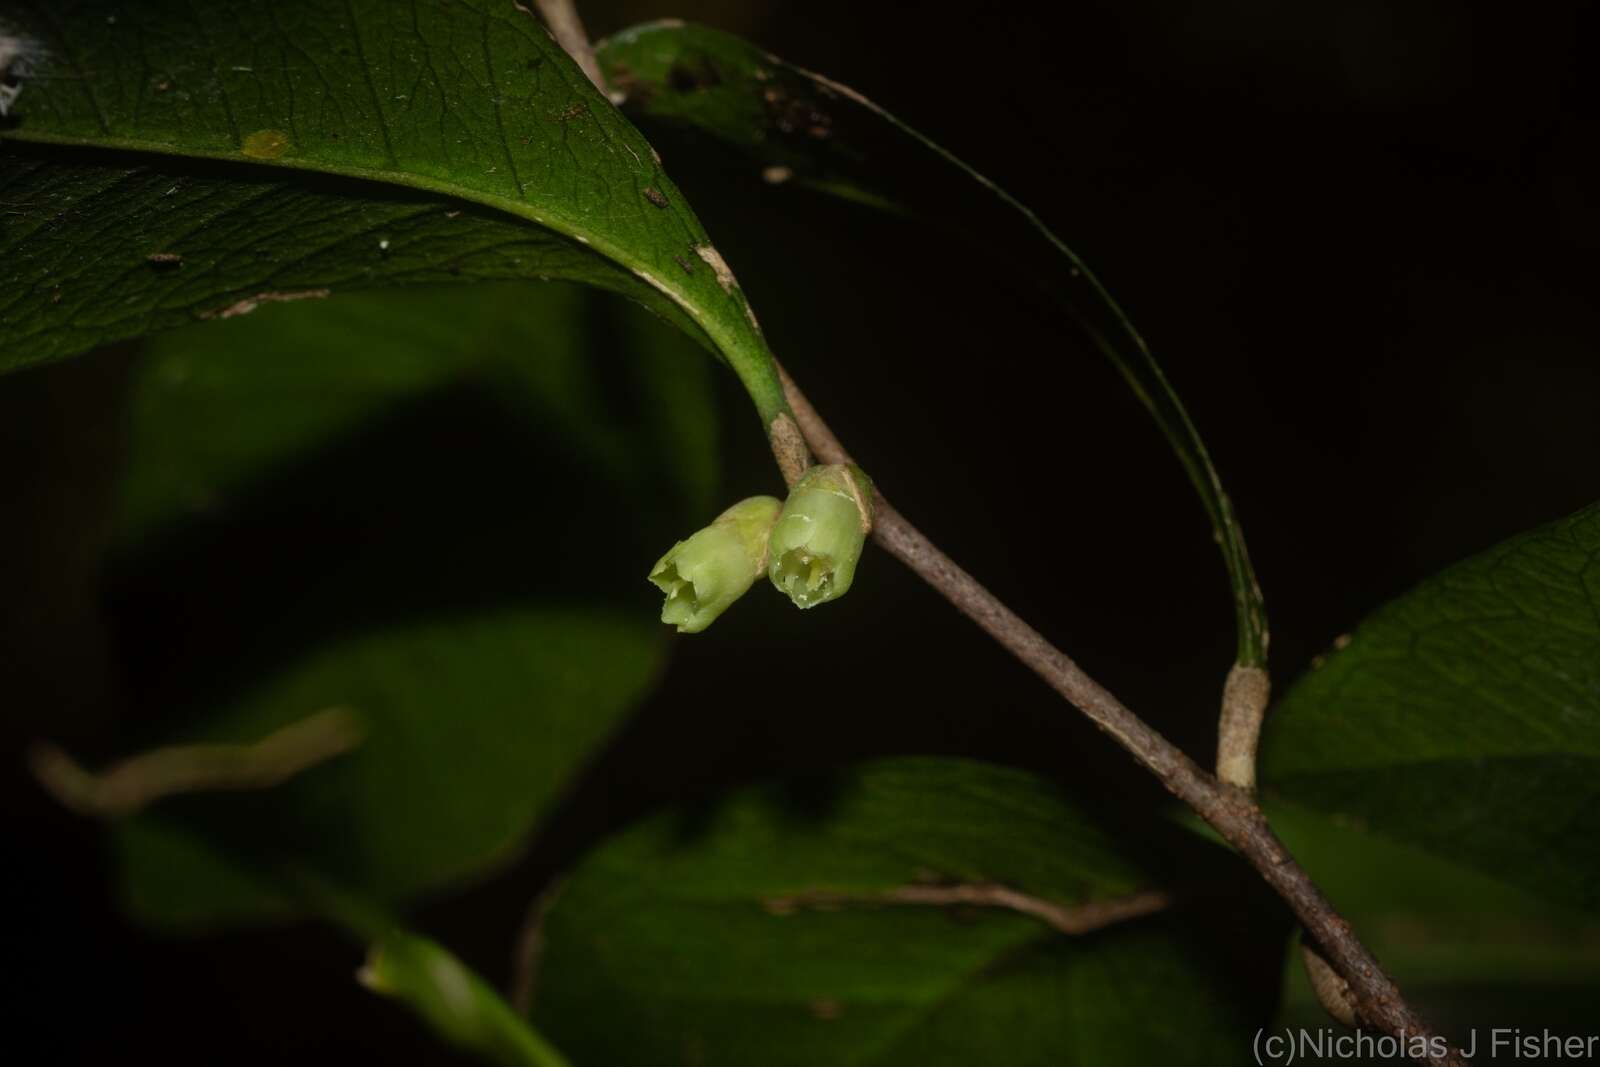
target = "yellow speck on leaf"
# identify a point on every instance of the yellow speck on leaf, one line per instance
(265, 144)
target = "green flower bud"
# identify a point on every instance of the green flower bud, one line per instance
(818, 538)
(712, 569)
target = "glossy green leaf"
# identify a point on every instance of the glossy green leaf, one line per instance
(1464, 717)
(428, 103)
(422, 508)
(795, 127)
(94, 248)
(762, 929)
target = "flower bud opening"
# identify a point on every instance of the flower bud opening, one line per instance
(818, 538)
(705, 574)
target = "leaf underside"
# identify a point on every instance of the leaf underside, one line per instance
(96, 249)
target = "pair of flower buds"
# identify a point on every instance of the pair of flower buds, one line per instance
(808, 545)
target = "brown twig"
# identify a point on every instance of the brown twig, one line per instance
(138, 781)
(1229, 810)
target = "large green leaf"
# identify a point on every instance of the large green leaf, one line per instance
(468, 100)
(763, 929)
(801, 129)
(432, 510)
(1464, 717)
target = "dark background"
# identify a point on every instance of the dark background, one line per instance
(1361, 238)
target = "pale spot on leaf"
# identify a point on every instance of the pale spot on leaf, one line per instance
(265, 144)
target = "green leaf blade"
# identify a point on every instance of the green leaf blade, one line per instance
(1464, 717)
(468, 99)
(194, 246)
(765, 929)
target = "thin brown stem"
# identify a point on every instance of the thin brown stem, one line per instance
(1230, 810)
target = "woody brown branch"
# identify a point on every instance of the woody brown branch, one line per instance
(1229, 810)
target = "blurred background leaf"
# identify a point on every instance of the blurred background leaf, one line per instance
(1464, 717)
(433, 509)
(754, 928)
(457, 1004)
